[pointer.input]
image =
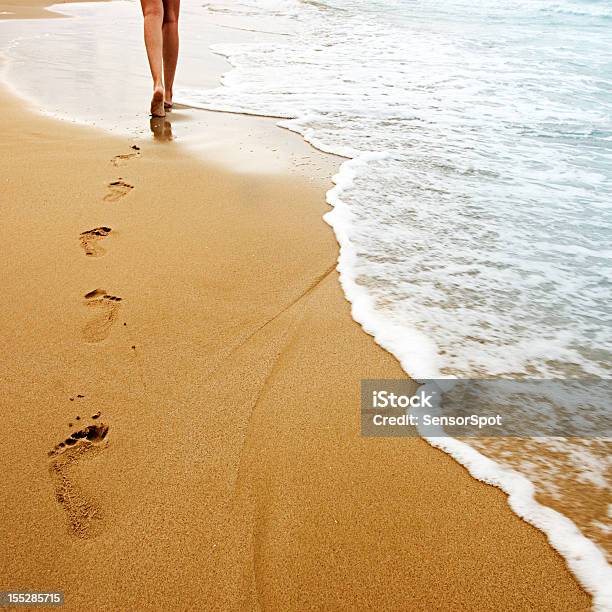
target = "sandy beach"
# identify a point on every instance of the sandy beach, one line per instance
(29, 9)
(183, 312)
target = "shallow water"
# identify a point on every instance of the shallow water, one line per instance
(487, 225)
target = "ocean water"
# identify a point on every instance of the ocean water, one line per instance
(486, 225)
(474, 211)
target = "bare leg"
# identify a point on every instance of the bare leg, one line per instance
(153, 12)
(171, 45)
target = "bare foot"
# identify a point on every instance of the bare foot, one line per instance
(157, 103)
(168, 99)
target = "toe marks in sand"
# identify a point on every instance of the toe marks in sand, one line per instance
(105, 309)
(83, 515)
(91, 433)
(90, 241)
(117, 189)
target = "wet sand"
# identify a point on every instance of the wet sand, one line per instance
(183, 311)
(31, 9)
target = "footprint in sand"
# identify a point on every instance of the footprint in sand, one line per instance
(105, 309)
(90, 239)
(117, 189)
(84, 516)
(119, 160)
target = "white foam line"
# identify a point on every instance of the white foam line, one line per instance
(417, 355)
(416, 352)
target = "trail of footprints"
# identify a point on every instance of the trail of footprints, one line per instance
(84, 515)
(103, 306)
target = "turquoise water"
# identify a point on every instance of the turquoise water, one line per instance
(484, 233)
